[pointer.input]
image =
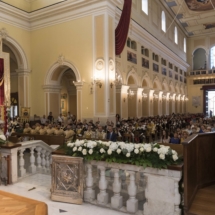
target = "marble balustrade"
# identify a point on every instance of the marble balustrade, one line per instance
(30, 158)
(132, 189)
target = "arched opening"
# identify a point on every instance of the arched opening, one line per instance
(61, 90)
(176, 35)
(13, 82)
(155, 100)
(132, 97)
(199, 59)
(212, 57)
(68, 93)
(64, 99)
(164, 109)
(145, 6)
(171, 98)
(163, 21)
(145, 100)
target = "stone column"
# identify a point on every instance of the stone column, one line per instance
(24, 88)
(104, 62)
(139, 102)
(151, 112)
(52, 99)
(79, 86)
(132, 103)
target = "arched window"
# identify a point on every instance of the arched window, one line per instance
(185, 45)
(129, 42)
(212, 57)
(176, 35)
(163, 21)
(145, 6)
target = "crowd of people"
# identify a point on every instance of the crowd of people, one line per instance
(174, 128)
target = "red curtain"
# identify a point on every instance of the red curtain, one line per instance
(121, 31)
(1, 81)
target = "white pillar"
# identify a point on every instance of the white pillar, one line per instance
(39, 161)
(116, 200)
(32, 167)
(22, 170)
(89, 193)
(43, 160)
(48, 162)
(102, 197)
(132, 202)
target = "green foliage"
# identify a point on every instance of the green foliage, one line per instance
(148, 157)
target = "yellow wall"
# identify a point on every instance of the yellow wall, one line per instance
(34, 5)
(70, 40)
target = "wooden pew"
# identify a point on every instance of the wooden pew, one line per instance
(49, 139)
(199, 167)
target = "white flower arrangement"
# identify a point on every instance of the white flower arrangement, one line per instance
(155, 154)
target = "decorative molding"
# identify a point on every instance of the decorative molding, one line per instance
(3, 33)
(55, 14)
(99, 64)
(111, 65)
(61, 60)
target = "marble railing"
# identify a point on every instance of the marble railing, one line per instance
(133, 189)
(29, 157)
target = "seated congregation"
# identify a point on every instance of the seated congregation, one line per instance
(173, 129)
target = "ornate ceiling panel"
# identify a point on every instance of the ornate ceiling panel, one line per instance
(197, 17)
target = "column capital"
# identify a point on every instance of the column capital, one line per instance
(51, 88)
(78, 84)
(23, 71)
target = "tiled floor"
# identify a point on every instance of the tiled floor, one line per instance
(42, 184)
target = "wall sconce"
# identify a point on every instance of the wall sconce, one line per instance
(117, 81)
(155, 96)
(130, 93)
(144, 95)
(124, 100)
(186, 99)
(97, 82)
(163, 97)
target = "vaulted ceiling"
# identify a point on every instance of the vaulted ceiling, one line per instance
(197, 17)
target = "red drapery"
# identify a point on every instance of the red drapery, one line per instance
(1, 81)
(121, 31)
(2, 91)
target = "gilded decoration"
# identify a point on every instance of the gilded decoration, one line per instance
(67, 179)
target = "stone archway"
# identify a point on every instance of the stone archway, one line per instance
(145, 100)
(63, 89)
(132, 95)
(19, 73)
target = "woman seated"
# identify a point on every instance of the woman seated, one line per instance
(175, 139)
(164, 137)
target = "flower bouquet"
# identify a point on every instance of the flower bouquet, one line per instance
(2, 139)
(151, 155)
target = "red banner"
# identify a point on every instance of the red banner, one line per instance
(121, 31)
(1, 81)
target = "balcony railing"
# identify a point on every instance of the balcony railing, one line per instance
(201, 72)
(132, 189)
(28, 157)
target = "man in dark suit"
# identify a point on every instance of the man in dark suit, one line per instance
(111, 135)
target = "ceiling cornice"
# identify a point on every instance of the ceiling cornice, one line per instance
(55, 14)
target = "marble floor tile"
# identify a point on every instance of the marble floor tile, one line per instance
(42, 184)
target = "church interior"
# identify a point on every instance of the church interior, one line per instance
(139, 67)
